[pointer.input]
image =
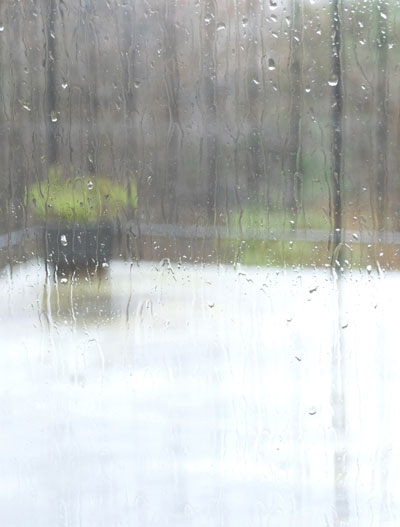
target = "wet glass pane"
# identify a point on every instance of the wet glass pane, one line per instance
(199, 262)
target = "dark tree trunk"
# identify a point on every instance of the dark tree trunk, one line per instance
(209, 75)
(382, 116)
(337, 134)
(51, 83)
(174, 135)
(255, 150)
(294, 141)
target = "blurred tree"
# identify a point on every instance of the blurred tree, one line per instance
(296, 98)
(52, 125)
(336, 83)
(381, 112)
(255, 173)
(208, 94)
(174, 133)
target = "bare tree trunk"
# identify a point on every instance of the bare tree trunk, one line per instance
(382, 116)
(255, 151)
(128, 72)
(174, 137)
(209, 77)
(51, 83)
(336, 83)
(341, 505)
(91, 93)
(294, 140)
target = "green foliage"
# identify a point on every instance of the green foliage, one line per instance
(80, 199)
(258, 219)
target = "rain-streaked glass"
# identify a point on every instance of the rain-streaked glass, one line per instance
(199, 262)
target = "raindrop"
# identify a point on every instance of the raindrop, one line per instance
(307, 89)
(271, 64)
(26, 107)
(221, 26)
(383, 15)
(245, 22)
(355, 236)
(90, 185)
(64, 280)
(136, 84)
(63, 240)
(208, 18)
(333, 81)
(53, 117)
(256, 81)
(369, 268)
(312, 411)
(64, 85)
(1, 28)
(272, 5)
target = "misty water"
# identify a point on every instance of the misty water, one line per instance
(167, 394)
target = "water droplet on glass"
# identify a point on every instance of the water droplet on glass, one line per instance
(369, 268)
(64, 280)
(221, 26)
(63, 240)
(64, 85)
(90, 185)
(136, 84)
(272, 5)
(355, 236)
(271, 64)
(333, 81)
(245, 22)
(312, 410)
(307, 89)
(383, 15)
(256, 81)
(53, 117)
(26, 107)
(1, 28)
(208, 18)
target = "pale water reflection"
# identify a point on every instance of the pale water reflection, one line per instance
(161, 394)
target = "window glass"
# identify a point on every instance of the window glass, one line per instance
(199, 256)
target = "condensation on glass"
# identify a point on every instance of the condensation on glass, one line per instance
(199, 262)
